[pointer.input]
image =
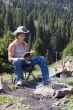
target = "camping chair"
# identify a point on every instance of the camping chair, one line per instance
(28, 72)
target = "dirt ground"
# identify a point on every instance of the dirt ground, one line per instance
(37, 103)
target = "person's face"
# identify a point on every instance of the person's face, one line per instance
(21, 37)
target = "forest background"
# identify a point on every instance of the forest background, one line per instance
(50, 23)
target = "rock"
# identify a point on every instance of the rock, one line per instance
(58, 90)
(62, 92)
(40, 85)
(38, 96)
(64, 76)
(64, 100)
(61, 71)
(57, 103)
(61, 101)
(57, 85)
(44, 91)
(38, 90)
(48, 91)
(4, 87)
(1, 86)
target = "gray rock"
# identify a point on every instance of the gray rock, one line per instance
(61, 101)
(44, 91)
(58, 86)
(62, 92)
(4, 87)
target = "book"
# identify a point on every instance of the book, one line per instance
(27, 54)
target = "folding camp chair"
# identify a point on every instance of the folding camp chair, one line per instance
(29, 69)
(28, 72)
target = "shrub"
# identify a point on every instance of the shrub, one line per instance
(68, 51)
(4, 43)
(38, 47)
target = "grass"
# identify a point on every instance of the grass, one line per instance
(68, 81)
(69, 105)
(6, 99)
(20, 106)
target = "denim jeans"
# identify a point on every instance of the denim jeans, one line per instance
(19, 66)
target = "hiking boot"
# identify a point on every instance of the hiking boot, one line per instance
(21, 83)
(47, 82)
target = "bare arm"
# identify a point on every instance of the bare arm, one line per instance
(11, 49)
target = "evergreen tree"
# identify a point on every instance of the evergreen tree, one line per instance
(8, 23)
(31, 29)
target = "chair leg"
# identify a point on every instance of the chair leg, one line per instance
(30, 73)
(33, 76)
(27, 76)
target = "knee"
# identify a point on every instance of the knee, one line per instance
(42, 58)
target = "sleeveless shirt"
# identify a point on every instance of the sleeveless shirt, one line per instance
(19, 51)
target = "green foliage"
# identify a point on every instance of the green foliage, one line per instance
(68, 51)
(4, 98)
(38, 46)
(31, 28)
(4, 43)
(54, 21)
(8, 20)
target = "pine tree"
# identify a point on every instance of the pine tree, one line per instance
(31, 29)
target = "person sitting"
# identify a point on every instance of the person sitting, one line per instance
(16, 50)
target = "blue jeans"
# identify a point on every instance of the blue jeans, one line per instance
(19, 66)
